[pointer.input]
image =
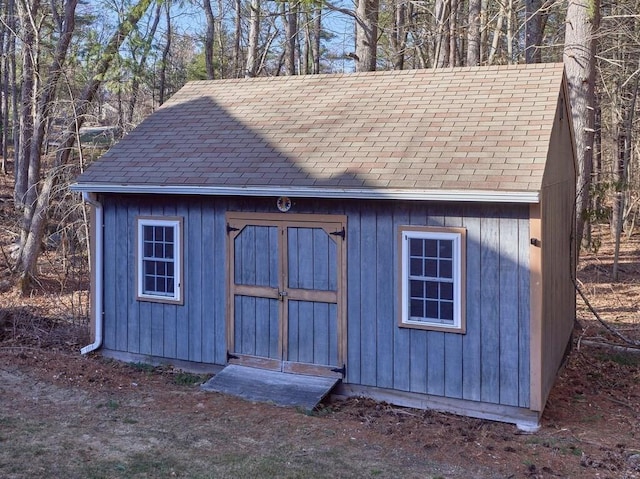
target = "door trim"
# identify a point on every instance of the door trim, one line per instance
(332, 225)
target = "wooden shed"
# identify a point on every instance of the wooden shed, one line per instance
(410, 233)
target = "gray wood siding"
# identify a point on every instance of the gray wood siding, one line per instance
(489, 363)
(194, 331)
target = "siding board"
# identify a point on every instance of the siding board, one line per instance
(208, 290)
(219, 297)
(489, 311)
(193, 243)
(368, 300)
(112, 264)
(122, 277)
(471, 342)
(133, 309)
(508, 329)
(354, 297)
(385, 293)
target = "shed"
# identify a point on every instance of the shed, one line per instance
(410, 233)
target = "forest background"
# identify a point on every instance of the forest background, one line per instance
(76, 76)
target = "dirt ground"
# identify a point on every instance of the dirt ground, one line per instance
(63, 415)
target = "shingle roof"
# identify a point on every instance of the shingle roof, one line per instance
(471, 128)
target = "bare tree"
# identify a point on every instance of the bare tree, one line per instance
(30, 245)
(582, 22)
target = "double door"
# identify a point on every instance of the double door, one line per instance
(286, 280)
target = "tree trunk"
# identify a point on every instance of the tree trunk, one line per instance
(139, 70)
(493, 49)
(251, 67)
(4, 117)
(27, 96)
(442, 14)
(366, 35)
(533, 31)
(399, 33)
(582, 23)
(290, 20)
(166, 52)
(317, 34)
(237, 68)
(454, 57)
(473, 33)
(209, 39)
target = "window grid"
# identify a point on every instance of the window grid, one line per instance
(159, 259)
(431, 280)
(432, 275)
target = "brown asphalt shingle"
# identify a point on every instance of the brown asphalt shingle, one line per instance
(475, 128)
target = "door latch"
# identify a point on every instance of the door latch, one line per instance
(282, 295)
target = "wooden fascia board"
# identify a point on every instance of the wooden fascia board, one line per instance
(535, 304)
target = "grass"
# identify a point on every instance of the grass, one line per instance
(623, 359)
(188, 379)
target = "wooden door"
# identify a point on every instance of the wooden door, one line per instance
(286, 292)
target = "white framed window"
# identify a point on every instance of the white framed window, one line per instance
(432, 278)
(159, 259)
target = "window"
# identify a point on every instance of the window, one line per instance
(159, 259)
(432, 278)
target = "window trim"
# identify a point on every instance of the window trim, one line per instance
(459, 237)
(176, 223)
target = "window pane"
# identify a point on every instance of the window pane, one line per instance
(416, 267)
(432, 309)
(417, 289)
(170, 287)
(431, 248)
(158, 251)
(170, 270)
(416, 308)
(147, 233)
(431, 268)
(168, 251)
(159, 233)
(432, 290)
(149, 268)
(446, 310)
(148, 249)
(161, 269)
(446, 291)
(446, 268)
(160, 287)
(415, 247)
(446, 249)
(149, 283)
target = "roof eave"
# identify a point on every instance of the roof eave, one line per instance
(475, 196)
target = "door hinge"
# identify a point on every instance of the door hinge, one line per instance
(342, 233)
(231, 356)
(342, 370)
(231, 228)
